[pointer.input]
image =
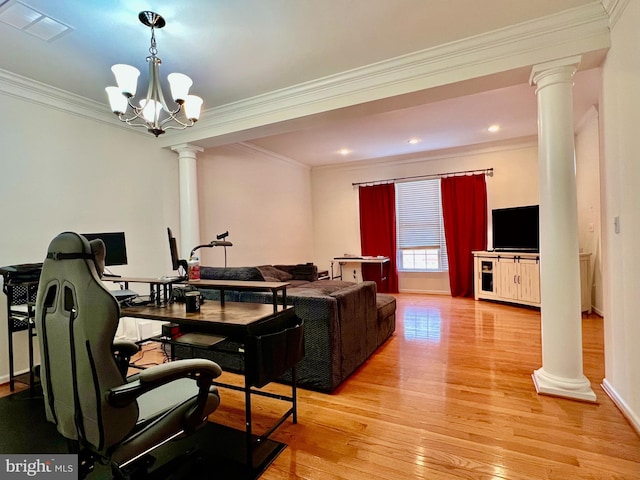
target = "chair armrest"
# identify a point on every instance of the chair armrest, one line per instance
(203, 371)
(126, 348)
(122, 351)
(179, 369)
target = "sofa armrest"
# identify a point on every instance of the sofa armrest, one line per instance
(357, 315)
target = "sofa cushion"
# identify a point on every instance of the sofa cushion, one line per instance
(273, 274)
(301, 271)
(320, 287)
(231, 273)
(386, 306)
(325, 287)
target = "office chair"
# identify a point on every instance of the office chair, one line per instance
(105, 416)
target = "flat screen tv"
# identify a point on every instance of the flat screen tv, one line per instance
(115, 245)
(516, 229)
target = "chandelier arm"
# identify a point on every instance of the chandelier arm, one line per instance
(129, 121)
(137, 113)
(172, 117)
(176, 127)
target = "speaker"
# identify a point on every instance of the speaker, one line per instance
(171, 330)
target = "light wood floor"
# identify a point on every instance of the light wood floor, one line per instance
(450, 395)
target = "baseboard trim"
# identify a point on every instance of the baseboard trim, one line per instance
(425, 292)
(4, 379)
(631, 417)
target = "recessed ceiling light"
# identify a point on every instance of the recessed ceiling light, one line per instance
(413, 141)
(494, 128)
(344, 151)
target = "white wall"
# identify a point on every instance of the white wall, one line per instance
(335, 200)
(587, 143)
(263, 201)
(62, 172)
(620, 180)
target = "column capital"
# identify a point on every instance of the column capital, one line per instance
(564, 66)
(186, 149)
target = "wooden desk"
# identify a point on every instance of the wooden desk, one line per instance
(247, 323)
(238, 320)
(360, 260)
(222, 285)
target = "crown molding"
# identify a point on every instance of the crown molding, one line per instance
(23, 88)
(615, 8)
(38, 93)
(571, 32)
(264, 153)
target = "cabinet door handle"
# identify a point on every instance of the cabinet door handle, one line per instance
(514, 279)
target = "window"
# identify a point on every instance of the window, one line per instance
(420, 228)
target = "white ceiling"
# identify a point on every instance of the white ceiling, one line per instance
(234, 50)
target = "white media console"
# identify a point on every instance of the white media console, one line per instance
(514, 277)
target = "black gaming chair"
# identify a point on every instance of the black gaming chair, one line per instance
(109, 418)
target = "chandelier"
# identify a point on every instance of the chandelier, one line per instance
(152, 111)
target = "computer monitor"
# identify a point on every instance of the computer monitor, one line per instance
(176, 263)
(115, 245)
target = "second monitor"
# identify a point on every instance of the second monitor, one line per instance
(176, 262)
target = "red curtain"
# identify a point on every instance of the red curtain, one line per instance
(464, 211)
(378, 233)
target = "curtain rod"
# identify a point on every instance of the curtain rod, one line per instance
(486, 171)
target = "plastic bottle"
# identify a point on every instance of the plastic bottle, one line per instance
(194, 268)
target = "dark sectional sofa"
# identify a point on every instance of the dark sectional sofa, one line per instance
(344, 322)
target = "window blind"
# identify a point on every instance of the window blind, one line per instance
(419, 216)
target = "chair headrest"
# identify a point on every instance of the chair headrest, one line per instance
(99, 252)
(70, 245)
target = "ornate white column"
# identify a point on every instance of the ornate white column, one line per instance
(561, 372)
(189, 211)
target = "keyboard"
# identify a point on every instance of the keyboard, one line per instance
(124, 294)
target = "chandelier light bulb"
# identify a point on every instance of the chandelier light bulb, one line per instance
(126, 78)
(192, 106)
(150, 110)
(180, 85)
(117, 100)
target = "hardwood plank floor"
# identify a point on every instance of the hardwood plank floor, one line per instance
(449, 396)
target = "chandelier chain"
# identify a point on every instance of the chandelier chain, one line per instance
(152, 49)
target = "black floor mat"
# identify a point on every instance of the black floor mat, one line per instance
(215, 451)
